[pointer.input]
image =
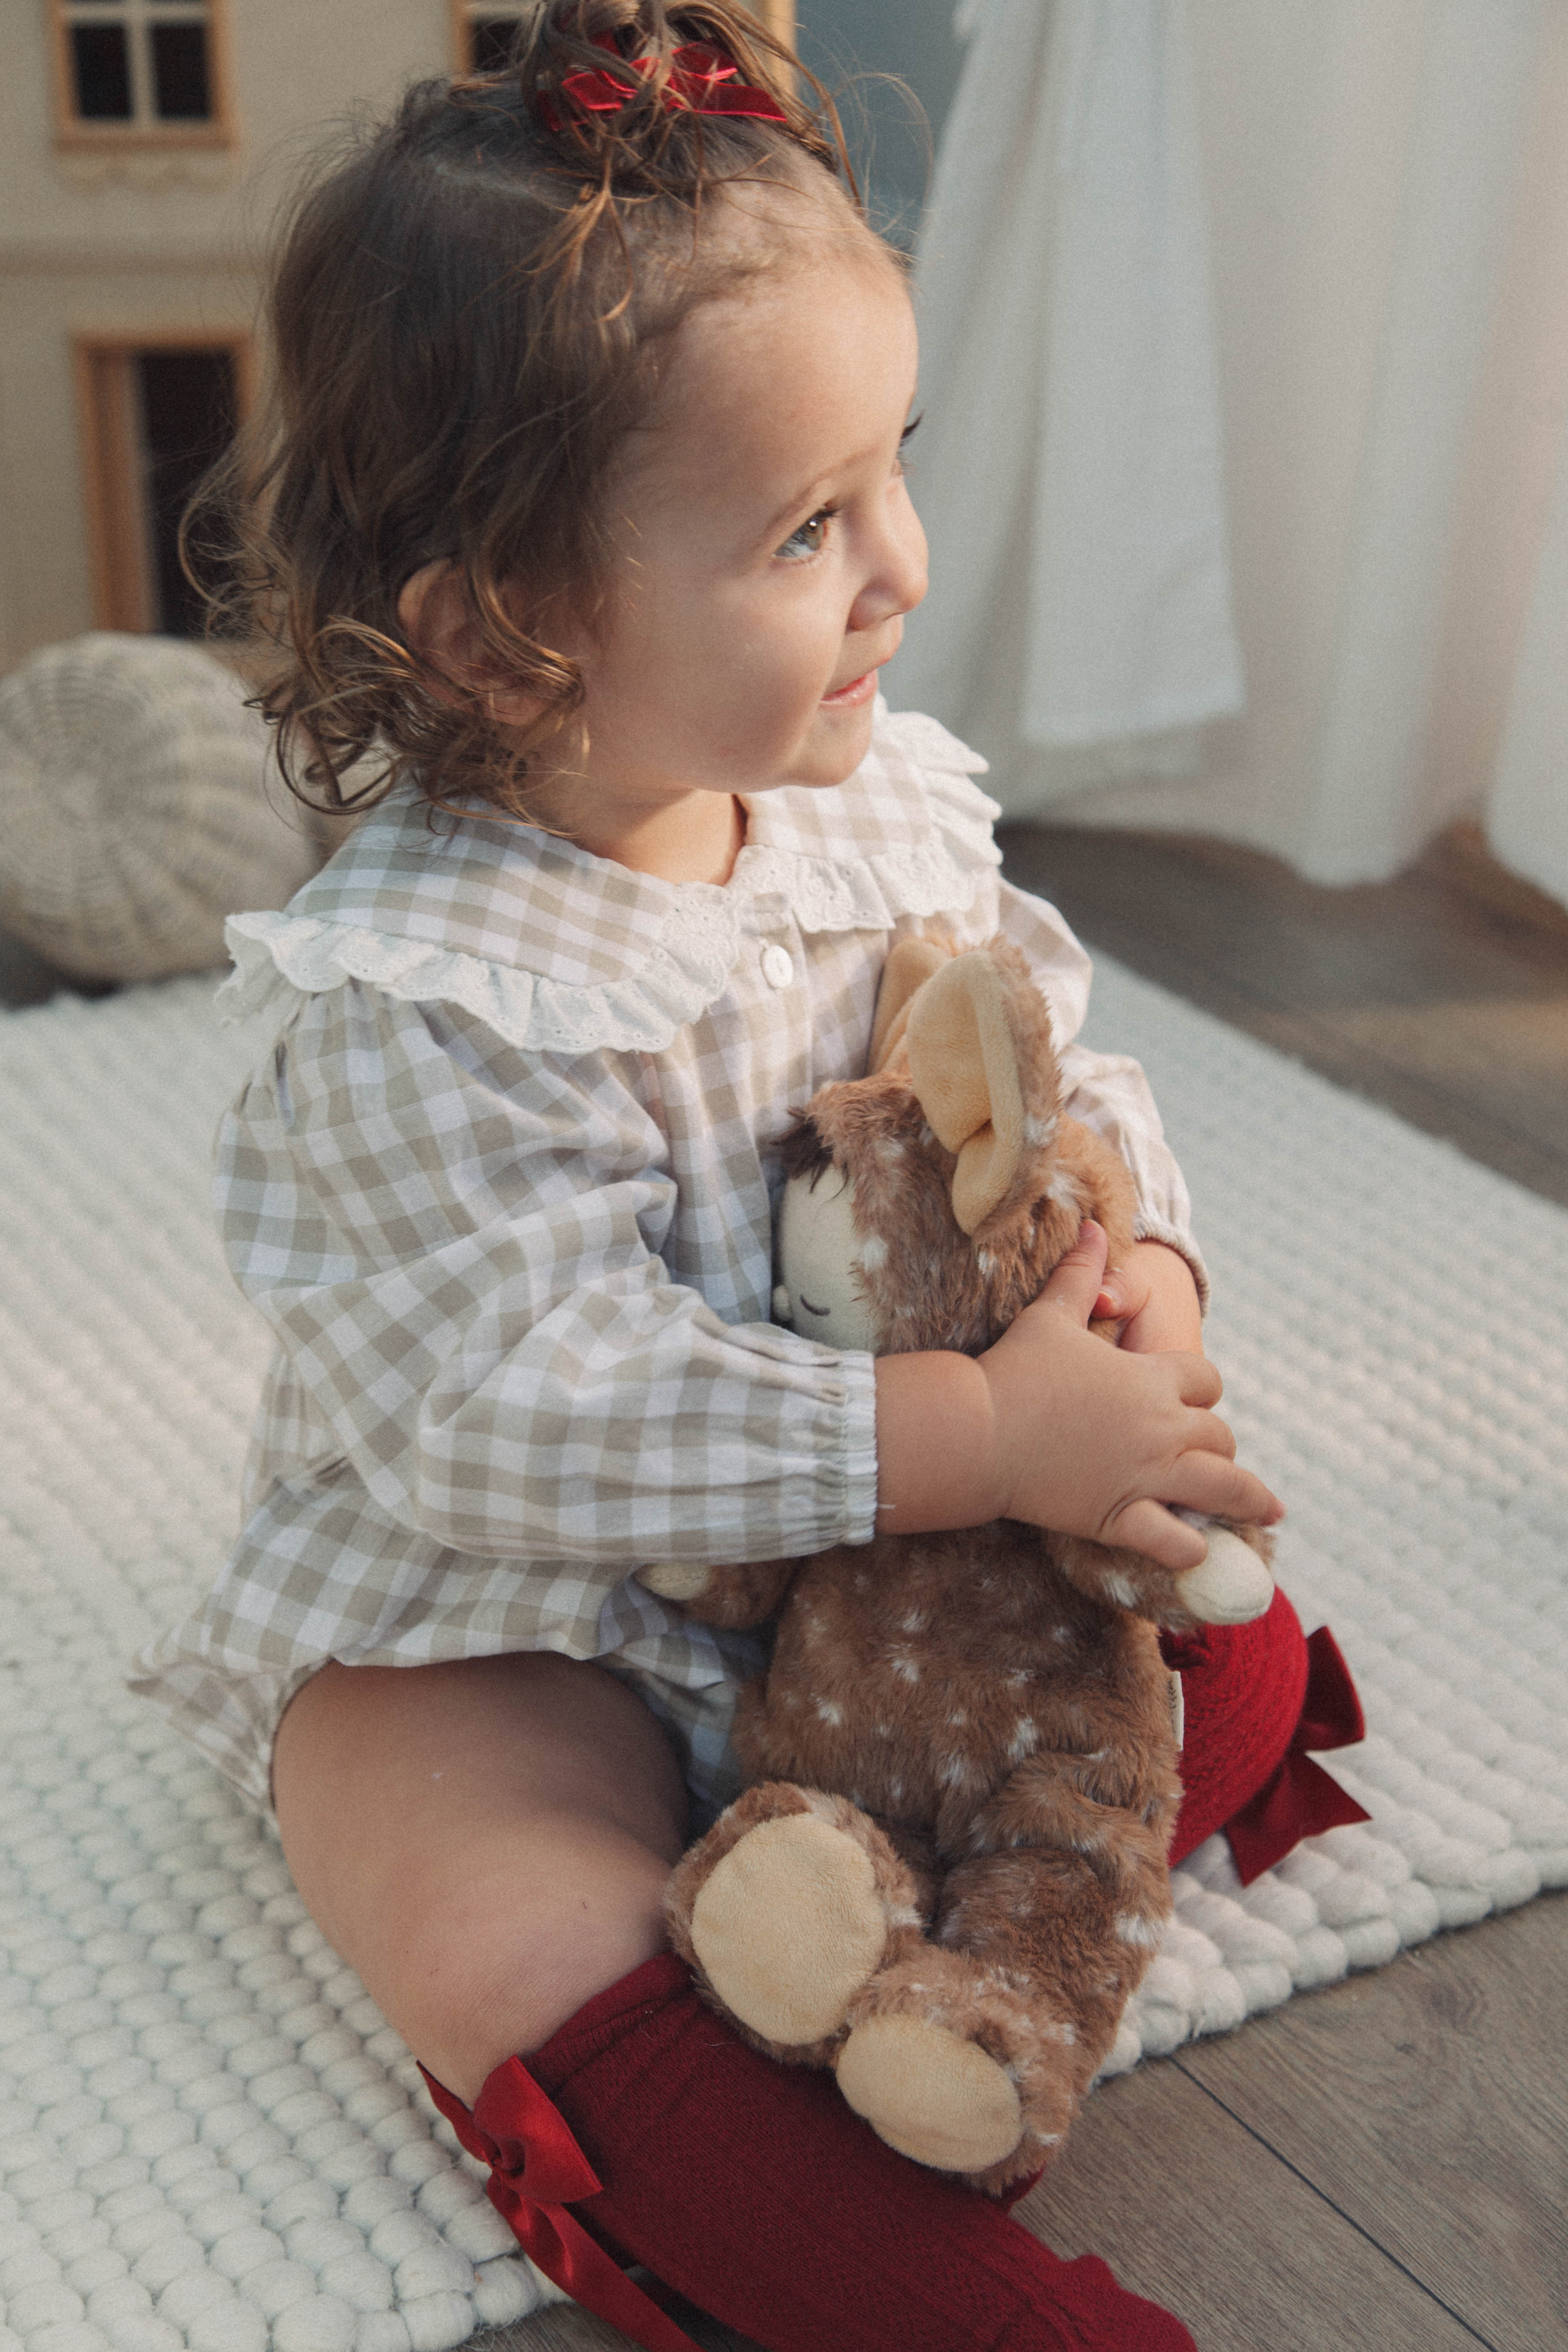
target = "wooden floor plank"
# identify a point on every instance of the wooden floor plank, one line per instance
(558, 2327)
(565, 2328)
(1428, 2103)
(1190, 2210)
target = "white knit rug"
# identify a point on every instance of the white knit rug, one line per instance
(1392, 1321)
(208, 2137)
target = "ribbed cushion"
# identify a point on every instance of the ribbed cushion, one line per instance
(138, 808)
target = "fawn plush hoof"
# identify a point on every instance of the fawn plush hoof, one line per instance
(789, 1926)
(1232, 1587)
(677, 1580)
(928, 2094)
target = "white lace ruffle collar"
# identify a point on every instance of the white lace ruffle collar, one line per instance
(558, 951)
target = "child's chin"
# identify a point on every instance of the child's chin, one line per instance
(832, 752)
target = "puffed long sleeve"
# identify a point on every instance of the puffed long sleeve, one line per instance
(462, 1252)
(1108, 1092)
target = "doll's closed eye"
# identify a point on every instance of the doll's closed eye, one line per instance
(810, 1310)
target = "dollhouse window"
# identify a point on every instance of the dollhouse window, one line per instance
(156, 410)
(144, 71)
(484, 35)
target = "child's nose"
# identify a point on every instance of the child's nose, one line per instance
(895, 576)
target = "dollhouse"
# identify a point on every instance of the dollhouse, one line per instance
(144, 144)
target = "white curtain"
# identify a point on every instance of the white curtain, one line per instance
(1233, 307)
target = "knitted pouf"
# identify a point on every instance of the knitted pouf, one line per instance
(136, 810)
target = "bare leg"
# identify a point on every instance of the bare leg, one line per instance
(486, 1842)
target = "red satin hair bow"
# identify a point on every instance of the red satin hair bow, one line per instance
(703, 80)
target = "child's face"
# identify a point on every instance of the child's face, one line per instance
(769, 553)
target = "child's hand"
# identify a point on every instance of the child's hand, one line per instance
(1153, 1296)
(1053, 1427)
(1093, 1441)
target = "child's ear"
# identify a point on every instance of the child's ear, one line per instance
(964, 1068)
(434, 615)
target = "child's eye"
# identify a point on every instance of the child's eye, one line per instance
(810, 537)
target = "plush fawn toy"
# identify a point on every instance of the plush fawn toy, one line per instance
(950, 1873)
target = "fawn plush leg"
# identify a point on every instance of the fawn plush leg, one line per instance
(798, 1912)
(734, 1596)
(1232, 1587)
(787, 1907)
(752, 2189)
(972, 2053)
(916, 2065)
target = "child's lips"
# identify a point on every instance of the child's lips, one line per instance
(859, 690)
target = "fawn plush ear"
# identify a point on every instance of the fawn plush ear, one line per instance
(963, 1067)
(911, 963)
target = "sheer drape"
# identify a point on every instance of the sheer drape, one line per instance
(1333, 242)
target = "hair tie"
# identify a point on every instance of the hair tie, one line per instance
(703, 80)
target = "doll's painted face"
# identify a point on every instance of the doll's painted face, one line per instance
(769, 553)
(819, 1254)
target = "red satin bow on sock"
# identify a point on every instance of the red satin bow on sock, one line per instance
(533, 2178)
(703, 80)
(1300, 1798)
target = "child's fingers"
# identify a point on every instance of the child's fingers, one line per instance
(1206, 1434)
(1075, 1286)
(1122, 1293)
(1201, 1482)
(1197, 1381)
(1152, 1529)
(1204, 1481)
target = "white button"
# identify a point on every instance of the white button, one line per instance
(778, 969)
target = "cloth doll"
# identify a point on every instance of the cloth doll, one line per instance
(949, 1872)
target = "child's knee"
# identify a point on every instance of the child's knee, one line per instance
(494, 1955)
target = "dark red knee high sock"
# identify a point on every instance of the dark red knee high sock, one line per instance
(1256, 1698)
(1242, 1688)
(753, 2189)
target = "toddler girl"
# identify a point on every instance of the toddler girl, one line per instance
(583, 525)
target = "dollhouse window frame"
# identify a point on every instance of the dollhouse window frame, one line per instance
(464, 13)
(778, 15)
(119, 542)
(146, 129)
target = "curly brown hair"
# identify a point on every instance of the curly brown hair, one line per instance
(467, 319)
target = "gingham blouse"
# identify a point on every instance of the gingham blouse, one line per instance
(502, 1188)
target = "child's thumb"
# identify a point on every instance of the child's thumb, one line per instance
(1075, 1284)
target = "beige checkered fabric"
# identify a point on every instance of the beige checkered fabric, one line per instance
(503, 1190)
